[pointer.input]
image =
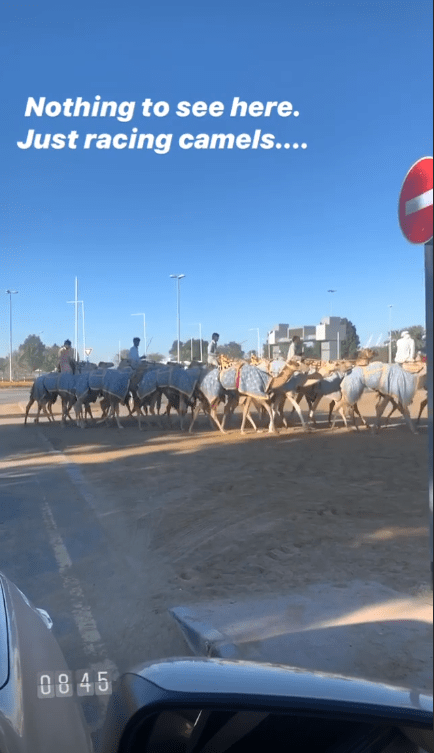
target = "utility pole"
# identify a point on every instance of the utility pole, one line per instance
(10, 294)
(76, 321)
(178, 279)
(390, 332)
(256, 329)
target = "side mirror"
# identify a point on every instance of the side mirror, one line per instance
(200, 705)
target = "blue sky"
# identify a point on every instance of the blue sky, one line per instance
(260, 235)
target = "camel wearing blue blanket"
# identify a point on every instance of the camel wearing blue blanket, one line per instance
(391, 381)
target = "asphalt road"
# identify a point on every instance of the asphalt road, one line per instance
(14, 394)
(55, 548)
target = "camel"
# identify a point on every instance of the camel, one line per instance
(266, 401)
(389, 381)
(45, 401)
(328, 386)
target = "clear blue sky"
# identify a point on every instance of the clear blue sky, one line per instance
(261, 235)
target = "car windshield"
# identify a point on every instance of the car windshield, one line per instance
(205, 448)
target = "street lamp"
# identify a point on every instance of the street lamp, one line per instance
(178, 278)
(390, 307)
(256, 329)
(76, 329)
(331, 299)
(10, 294)
(144, 329)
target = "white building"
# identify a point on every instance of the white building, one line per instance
(330, 333)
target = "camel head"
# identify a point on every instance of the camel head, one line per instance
(365, 355)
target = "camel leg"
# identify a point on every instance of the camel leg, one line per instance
(50, 409)
(356, 410)
(339, 408)
(44, 408)
(423, 405)
(182, 412)
(298, 409)
(228, 412)
(196, 412)
(169, 420)
(213, 414)
(313, 405)
(271, 427)
(379, 410)
(78, 410)
(406, 413)
(245, 412)
(64, 410)
(28, 406)
(279, 410)
(116, 415)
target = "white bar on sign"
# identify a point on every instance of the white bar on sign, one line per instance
(419, 202)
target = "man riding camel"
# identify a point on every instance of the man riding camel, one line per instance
(66, 363)
(405, 348)
(212, 350)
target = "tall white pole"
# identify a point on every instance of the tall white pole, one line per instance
(84, 331)
(259, 344)
(390, 333)
(10, 336)
(178, 279)
(339, 346)
(76, 320)
(179, 319)
(429, 382)
(201, 345)
(10, 294)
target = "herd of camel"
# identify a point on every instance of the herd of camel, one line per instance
(340, 383)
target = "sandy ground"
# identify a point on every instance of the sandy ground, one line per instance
(234, 517)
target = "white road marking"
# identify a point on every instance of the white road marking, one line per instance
(93, 644)
(419, 202)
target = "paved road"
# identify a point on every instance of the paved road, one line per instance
(14, 395)
(56, 548)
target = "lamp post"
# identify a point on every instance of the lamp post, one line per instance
(331, 300)
(178, 278)
(390, 307)
(256, 329)
(144, 329)
(84, 333)
(10, 294)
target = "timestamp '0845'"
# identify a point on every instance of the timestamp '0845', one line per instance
(85, 682)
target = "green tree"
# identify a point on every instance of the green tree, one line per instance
(31, 353)
(4, 364)
(351, 344)
(124, 354)
(231, 349)
(50, 358)
(157, 357)
(313, 351)
(185, 350)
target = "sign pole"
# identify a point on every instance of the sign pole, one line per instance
(415, 212)
(429, 352)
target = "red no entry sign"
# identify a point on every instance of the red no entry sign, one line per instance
(416, 202)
